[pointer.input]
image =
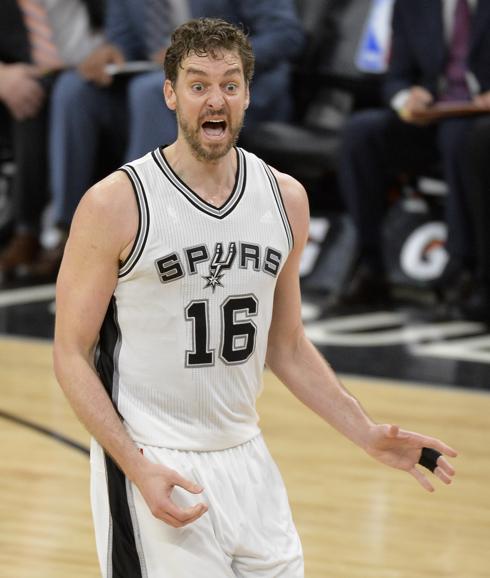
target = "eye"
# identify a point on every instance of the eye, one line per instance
(197, 87)
(231, 87)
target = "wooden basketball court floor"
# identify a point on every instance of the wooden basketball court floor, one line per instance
(357, 518)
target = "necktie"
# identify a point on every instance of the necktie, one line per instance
(158, 25)
(457, 87)
(44, 51)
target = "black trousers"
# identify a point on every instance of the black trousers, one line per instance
(29, 141)
(479, 163)
(377, 146)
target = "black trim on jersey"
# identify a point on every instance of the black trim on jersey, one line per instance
(125, 558)
(124, 554)
(280, 204)
(107, 351)
(218, 212)
(143, 221)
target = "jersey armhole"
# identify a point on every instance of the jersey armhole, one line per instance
(143, 222)
(280, 205)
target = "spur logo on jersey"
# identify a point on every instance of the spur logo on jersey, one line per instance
(219, 263)
(199, 259)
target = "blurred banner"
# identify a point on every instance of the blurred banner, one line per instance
(374, 47)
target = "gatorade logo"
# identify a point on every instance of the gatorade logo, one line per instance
(423, 255)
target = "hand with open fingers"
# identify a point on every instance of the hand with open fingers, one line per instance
(156, 483)
(404, 450)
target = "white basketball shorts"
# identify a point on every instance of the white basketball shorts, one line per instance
(247, 532)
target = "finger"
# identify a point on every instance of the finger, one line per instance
(445, 466)
(441, 474)
(421, 441)
(171, 521)
(422, 480)
(185, 514)
(439, 445)
(393, 431)
(103, 79)
(182, 482)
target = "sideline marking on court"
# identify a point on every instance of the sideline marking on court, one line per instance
(27, 295)
(45, 431)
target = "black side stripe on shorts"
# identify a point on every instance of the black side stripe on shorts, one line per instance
(123, 559)
(124, 555)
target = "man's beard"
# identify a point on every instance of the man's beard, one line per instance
(211, 151)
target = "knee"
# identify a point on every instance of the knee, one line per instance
(74, 99)
(479, 137)
(145, 89)
(69, 89)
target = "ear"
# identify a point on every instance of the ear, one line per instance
(169, 94)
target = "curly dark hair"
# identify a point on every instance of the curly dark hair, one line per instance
(207, 36)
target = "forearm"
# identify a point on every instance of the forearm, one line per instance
(95, 410)
(311, 379)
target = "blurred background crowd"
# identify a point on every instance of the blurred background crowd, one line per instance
(381, 108)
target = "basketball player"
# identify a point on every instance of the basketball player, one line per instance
(183, 268)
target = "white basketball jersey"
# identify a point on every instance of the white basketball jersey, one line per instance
(183, 345)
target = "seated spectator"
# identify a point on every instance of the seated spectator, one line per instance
(440, 52)
(477, 305)
(137, 33)
(37, 39)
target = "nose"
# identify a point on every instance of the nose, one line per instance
(215, 98)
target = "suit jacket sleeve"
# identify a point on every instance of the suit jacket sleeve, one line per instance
(96, 10)
(14, 44)
(402, 69)
(121, 29)
(275, 30)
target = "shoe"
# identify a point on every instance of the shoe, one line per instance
(476, 307)
(455, 284)
(46, 266)
(366, 288)
(19, 254)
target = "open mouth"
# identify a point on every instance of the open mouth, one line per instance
(214, 128)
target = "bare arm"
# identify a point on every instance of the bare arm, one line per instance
(101, 235)
(297, 363)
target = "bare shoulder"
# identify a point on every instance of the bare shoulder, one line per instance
(111, 197)
(295, 200)
(108, 209)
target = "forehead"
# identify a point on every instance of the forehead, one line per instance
(221, 63)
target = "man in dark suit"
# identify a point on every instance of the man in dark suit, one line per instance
(477, 305)
(276, 37)
(25, 86)
(440, 51)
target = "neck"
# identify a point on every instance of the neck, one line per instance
(213, 180)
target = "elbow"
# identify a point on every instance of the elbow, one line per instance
(67, 357)
(59, 361)
(284, 352)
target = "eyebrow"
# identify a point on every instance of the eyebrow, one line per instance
(200, 72)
